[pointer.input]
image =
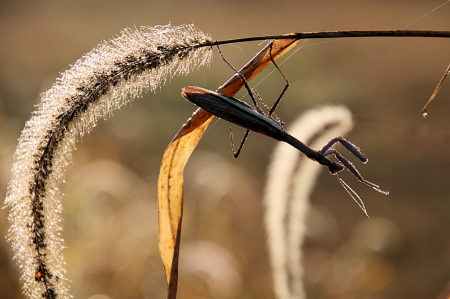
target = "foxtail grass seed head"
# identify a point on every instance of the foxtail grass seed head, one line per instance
(111, 75)
(291, 178)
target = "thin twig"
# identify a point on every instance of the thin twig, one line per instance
(337, 34)
(424, 110)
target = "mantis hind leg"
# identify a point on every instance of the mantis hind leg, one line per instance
(274, 106)
(236, 153)
(242, 79)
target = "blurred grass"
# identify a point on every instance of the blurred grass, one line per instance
(110, 221)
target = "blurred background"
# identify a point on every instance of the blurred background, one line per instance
(110, 205)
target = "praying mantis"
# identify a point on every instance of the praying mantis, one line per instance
(255, 119)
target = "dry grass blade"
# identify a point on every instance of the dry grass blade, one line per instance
(424, 110)
(170, 182)
(170, 191)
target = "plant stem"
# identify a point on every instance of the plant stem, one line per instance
(336, 34)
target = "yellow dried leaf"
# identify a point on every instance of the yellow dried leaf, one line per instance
(170, 182)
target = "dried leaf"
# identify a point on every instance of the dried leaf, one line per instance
(170, 183)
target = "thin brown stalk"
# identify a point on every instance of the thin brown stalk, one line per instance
(338, 34)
